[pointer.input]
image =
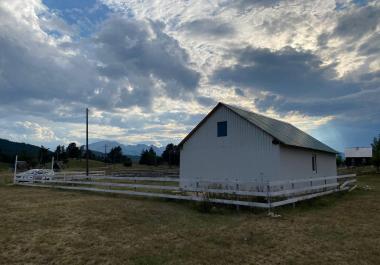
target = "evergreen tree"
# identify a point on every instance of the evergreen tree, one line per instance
(339, 160)
(63, 155)
(376, 152)
(43, 155)
(116, 155)
(171, 154)
(143, 157)
(127, 161)
(29, 159)
(152, 157)
(148, 157)
(73, 151)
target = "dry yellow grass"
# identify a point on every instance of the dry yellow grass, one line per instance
(46, 226)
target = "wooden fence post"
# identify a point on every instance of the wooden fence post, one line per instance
(269, 198)
(15, 171)
(237, 189)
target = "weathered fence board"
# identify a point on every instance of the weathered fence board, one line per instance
(157, 195)
(109, 184)
(167, 179)
(273, 192)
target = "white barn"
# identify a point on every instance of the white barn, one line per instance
(231, 144)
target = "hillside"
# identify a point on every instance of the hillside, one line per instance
(10, 148)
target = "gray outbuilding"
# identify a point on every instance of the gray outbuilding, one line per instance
(235, 145)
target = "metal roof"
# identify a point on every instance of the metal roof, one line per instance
(358, 152)
(284, 132)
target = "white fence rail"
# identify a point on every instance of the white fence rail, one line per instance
(79, 173)
(273, 194)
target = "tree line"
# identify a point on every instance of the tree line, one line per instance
(170, 156)
(114, 156)
(42, 157)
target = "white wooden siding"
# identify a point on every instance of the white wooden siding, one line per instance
(246, 153)
(296, 163)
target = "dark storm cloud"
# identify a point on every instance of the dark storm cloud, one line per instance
(371, 46)
(137, 58)
(362, 104)
(287, 72)
(356, 116)
(358, 23)
(209, 27)
(299, 81)
(246, 5)
(206, 101)
(358, 28)
(239, 92)
(141, 52)
(31, 70)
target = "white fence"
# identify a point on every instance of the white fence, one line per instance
(266, 195)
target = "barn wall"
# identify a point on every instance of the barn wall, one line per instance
(296, 163)
(246, 153)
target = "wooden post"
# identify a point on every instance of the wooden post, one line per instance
(237, 189)
(268, 198)
(86, 141)
(15, 171)
(52, 163)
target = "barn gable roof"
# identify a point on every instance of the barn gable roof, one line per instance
(284, 132)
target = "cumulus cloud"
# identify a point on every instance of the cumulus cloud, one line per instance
(36, 131)
(145, 58)
(150, 70)
(127, 62)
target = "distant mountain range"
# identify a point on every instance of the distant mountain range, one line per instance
(132, 150)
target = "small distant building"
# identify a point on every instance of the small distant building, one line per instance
(58, 165)
(358, 156)
(22, 165)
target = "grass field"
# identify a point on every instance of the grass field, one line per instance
(81, 164)
(76, 164)
(42, 226)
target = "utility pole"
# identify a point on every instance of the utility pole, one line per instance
(86, 141)
(105, 154)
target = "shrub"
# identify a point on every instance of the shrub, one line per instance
(127, 162)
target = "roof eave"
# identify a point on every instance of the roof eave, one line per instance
(199, 124)
(333, 151)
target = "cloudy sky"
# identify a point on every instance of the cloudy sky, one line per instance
(149, 70)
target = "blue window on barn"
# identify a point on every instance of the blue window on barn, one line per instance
(222, 128)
